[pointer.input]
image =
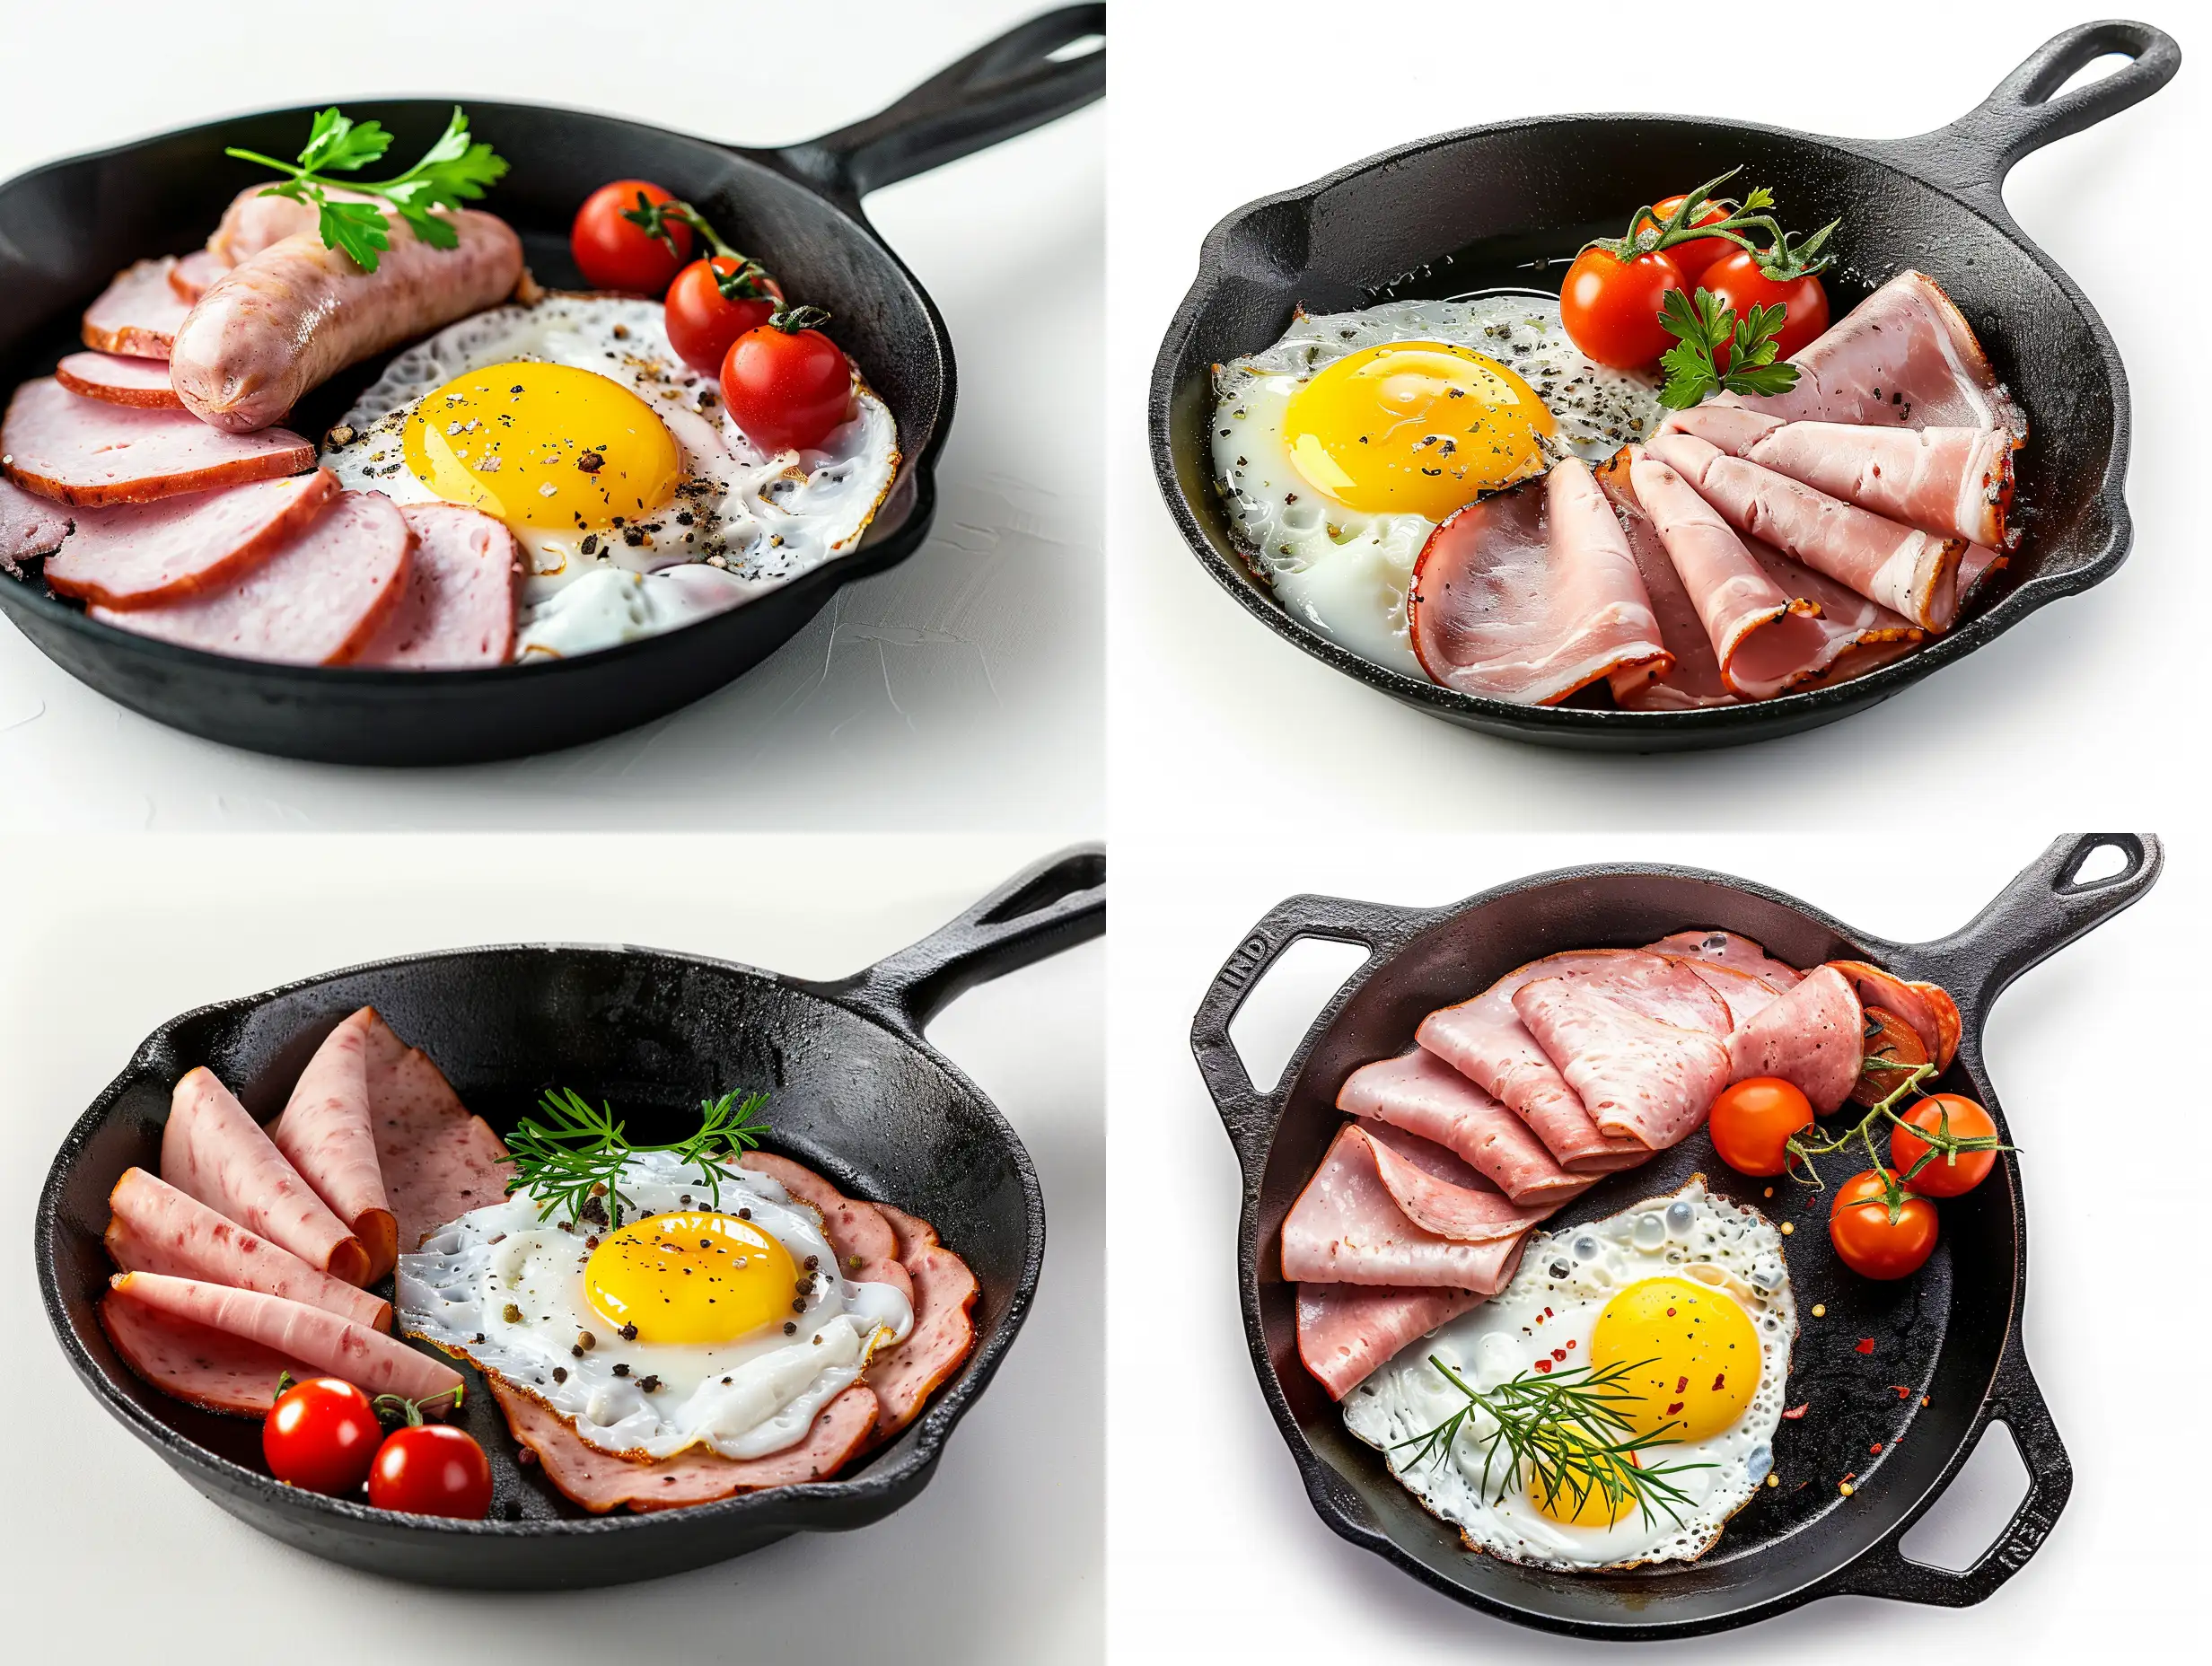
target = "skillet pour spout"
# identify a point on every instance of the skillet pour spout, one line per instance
(1950, 1336)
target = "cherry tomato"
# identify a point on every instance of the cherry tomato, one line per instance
(1870, 1243)
(432, 1468)
(1699, 252)
(1962, 1171)
(616, 253)
(788, 385)
(1611, 308)
(321, 1434)
(1737, 280)
(703, 322)
(1752, 1122)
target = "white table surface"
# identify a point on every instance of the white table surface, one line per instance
(1216, 1553)
(962, 689)
(999, 1560)
(1227, 107)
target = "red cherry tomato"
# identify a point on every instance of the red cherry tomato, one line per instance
(1870, 1243)
(703, 322)
(1951, 1176)
(786, 388)
(1737, 280)
(1752, 1122)
(616, 253)
(321, 1434)
(1699, 252)
(1611, 307)
(432, 1468)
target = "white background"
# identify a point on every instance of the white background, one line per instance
(102, 1546)
(1216, 1553)
(960, 689)
(1215, 105)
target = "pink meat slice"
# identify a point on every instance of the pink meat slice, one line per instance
(140, 555)
(138, 314)
(458, 608)
(1348, 1332)
(913, 1233)
(1812, 1037)
(600, 1481)
(1743, 993)
(867, 1250)
(1442, 1195)
(325, 1133)
(1419, 1092)
(1734, 951)
(439, 1162)
(1927, 1008)
(213, 1151)
(904, 1375)
(1531, 593)
(1348, 1227)
(91, 452)
(210, 1368)
(29, 525)
(1906, 570)
(193, 272)
(154, 1228)
(119, 381)
(370, 1360)
(1640, 1040)
(1485, 1040)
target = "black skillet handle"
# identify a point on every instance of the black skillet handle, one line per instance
(1247, 1113)
(1021, 80)
(2015, 1401)
(1972, 155)
(1055, 904)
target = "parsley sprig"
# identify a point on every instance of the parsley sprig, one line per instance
(1716, 351)
(578, 1153)
(452, 172)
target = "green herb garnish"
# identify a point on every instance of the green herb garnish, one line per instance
(452, 172)
(576, 1154)
(1717, 351)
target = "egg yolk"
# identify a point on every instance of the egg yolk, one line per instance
(698, 1277)
(1694, 1353)
(1594, 1510)
(542, 446)
(1414, 427)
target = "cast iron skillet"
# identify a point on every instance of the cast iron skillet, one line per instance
(856, 1093)
(1951, 1333)
(1499, 205)
(67, 228)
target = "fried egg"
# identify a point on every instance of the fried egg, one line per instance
(1689, 1297)
(698, 1321)
(1339, 449)
(614, 465)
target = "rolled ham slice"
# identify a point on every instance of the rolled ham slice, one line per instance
(154, 1228)
(138, 314)
(458, 608)
(867, 1250)
(213, 1151)
(1421, 1094)
(1812, 1037)
(91, 452)
(316, 599)
(1348, 1332)
(146, 555)
(438, 1161)
(1927, 1008)
(1348, 1227)
(326, 1134)
(210, 1368)
(1640, 1040)
(370, 1360)
(1533, 593)
(29, 525)
(119, 381)
(194, 272)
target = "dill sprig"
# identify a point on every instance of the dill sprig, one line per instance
(578, 1153)
(1566, 1431)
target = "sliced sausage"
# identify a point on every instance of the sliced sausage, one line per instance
(29, 526)
(144, 555)
(325, 1133)
(139, 313)
(194, 273)
(210, 1368)
(119, 381)
(89, 451)
(459, 608)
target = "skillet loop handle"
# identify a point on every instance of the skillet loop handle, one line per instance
(1042, 910)
(1248, 1114)
(1972, 155)
(1033, 74)
(2044, 909)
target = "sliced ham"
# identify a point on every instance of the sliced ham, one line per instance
(325, 1133)
(600, 1481)
(317, 599)
(89, 451)
(194, 272)
(867, 1250)
(29, 525)
(1734, 951)
(1640, 1040)
(439, 1162)
(154, 1228)
(139, 313)
(213, 1151)
(370, 1360)
(1977, 567)
(1812, 1037)
(458, 608)
(119, 381)
(1348, 1332)
(1927, 1008)
(1442, 1195)
(1906, 570)
(1531, 593)
(1419, 1092)
(1348, 1227)
(906, 1375)
(210, 1368)
(145, 555)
